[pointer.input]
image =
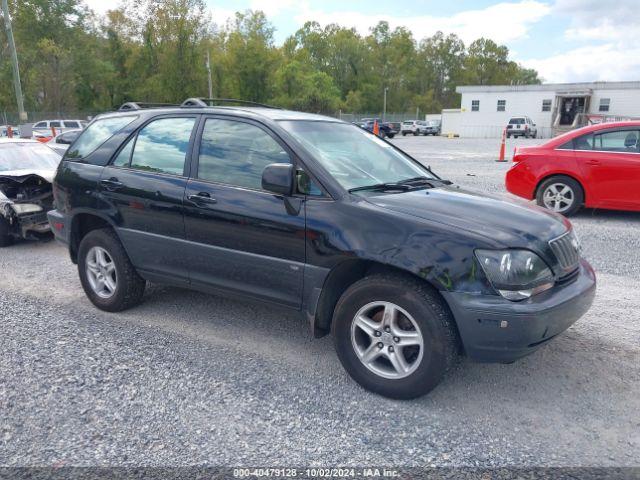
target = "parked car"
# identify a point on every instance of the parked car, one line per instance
(386, 129)
(26, 170)
(429, 127)
(410, 127)
(43, 128)
(522, 127)
(405, 269)
(597, 166)
(60, 143)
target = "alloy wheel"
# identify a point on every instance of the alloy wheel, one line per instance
(558, 197)
(101, 272)
(387, 340)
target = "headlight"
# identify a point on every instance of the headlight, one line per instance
(515, 274)
(22, 208)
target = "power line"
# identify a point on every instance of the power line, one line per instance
(14, 59)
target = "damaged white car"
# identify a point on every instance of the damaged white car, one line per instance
(27, 168)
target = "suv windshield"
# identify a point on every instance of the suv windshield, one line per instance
(354, 157)
(27, 156)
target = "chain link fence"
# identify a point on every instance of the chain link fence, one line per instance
(387, 117)
(12, 118)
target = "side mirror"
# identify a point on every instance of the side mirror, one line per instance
(278, 178)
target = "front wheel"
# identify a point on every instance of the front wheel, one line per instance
(394, 336)
(391, 135)
(561, 194)
(5, 237)
(106, 273)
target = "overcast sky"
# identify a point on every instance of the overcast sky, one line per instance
(565, 40)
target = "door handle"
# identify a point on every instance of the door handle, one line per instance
(202, 197)
(111, 184)
(593, 162)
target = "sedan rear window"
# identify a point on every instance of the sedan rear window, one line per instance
(516, 121)
(96, 134)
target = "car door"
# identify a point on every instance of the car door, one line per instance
(243, 238)
(144, 186)
(612, 168)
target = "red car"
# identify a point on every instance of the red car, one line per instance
(596, 166)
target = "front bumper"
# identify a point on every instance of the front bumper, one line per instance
(494, 329)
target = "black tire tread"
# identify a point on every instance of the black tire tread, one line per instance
(562, 178)
(133, 285)
(6, 239)
(426, 293)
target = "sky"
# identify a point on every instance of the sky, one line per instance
(564, 40)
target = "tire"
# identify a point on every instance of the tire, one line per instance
(6, 239)
(416, 133)
(391, 135)
(404, 134)
(129, 286)
(508, 135)
(559, 184)
(435, 326)
(535, 135)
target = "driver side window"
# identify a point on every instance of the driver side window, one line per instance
(236, 153)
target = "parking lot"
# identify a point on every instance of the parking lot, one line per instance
(192, 379)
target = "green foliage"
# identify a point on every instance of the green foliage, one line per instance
(151, 50)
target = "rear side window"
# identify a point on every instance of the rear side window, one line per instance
(40, 125)
(585, 142)
(617, 141)
(96, 134)
(161, 146)
(54, 124)
(236, 153)
(71, 124)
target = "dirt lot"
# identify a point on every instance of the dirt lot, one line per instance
(189, 379)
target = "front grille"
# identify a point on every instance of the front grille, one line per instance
(567, 250)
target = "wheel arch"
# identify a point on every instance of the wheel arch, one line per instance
(345, 274)
(81, 224)
(572, 176)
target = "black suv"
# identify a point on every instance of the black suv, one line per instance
(405, 269)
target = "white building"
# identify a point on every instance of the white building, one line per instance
(485, 110)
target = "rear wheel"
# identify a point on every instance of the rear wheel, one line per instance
(561, 194)
(391, 135)
(5, 237)
(416, 133)
(394, 336)
(106, 273)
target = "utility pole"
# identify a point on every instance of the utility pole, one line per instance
(209, 74)
(384, 105)
(14, 58)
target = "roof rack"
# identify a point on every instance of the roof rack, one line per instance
(210, 102)
(141, 105)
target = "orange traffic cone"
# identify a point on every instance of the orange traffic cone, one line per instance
(53, 131)
(376, 128)
(502, 146)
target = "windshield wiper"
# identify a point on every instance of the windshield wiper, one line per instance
(422, 180)
(382, 187)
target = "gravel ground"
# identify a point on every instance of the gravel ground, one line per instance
(191, 379)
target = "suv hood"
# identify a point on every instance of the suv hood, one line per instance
(509, 221)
